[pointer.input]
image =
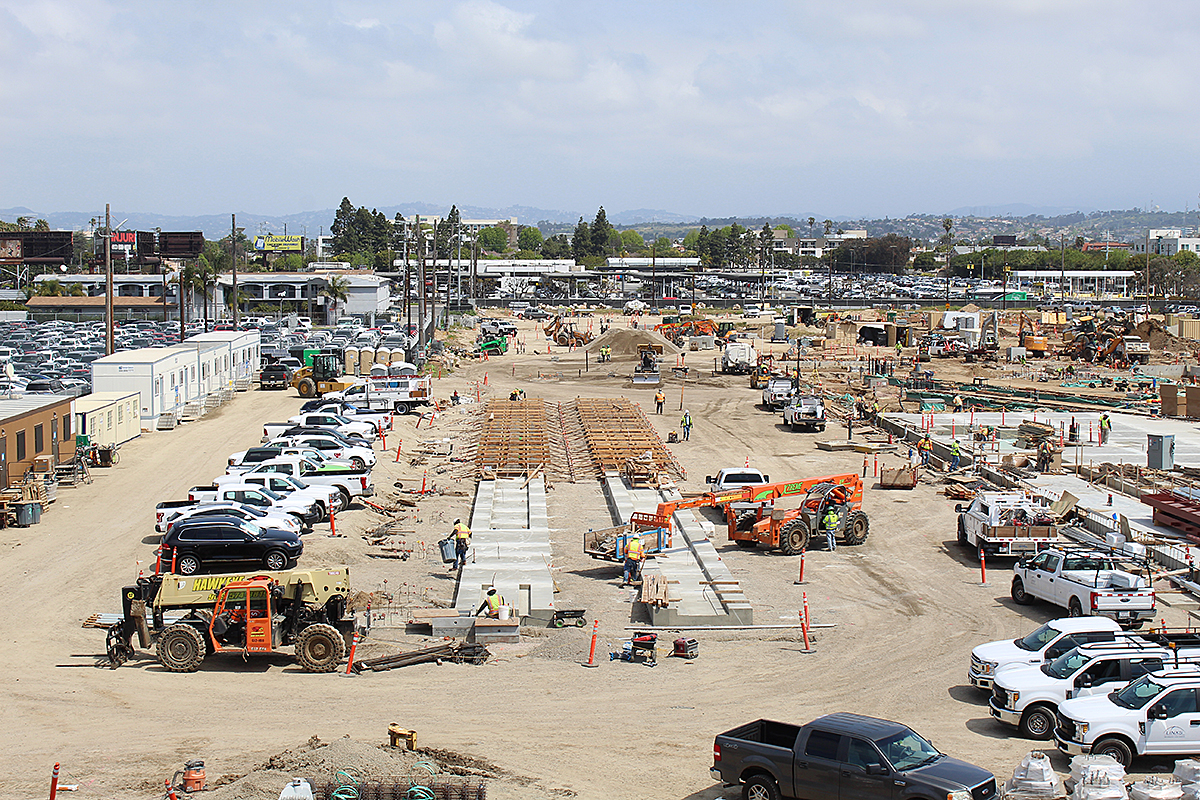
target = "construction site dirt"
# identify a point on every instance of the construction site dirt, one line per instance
(905, 609)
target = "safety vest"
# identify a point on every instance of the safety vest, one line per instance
(1105, 423)
(462, 531)
(954, 450)
(923, 444)
(660, 398)
(831, 520)
(686, 421)
(633, 548)
(494, 601)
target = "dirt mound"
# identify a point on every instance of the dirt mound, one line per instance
(1152, 331)
(625, 341)
(320, 761)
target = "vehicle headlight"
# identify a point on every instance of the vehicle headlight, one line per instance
(987, 667)
(961, 794)
(1013, 697)
(1081, 727)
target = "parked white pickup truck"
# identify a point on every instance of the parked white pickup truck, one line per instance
(325, 498)
(1084, 582)
(332, 447)
(342, 424)
(1006, 524)
(1045, 644)
(733, 478)
(1028, 696)
(777, 393)
(259, 496)
(348, 481)
(1155, 715)
(805, 411)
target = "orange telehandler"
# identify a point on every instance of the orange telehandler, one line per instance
(786, 530)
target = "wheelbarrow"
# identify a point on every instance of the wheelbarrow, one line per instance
(568, 616)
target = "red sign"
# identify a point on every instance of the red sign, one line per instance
(124, 237)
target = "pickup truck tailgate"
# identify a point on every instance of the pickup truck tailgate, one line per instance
(1117, 601)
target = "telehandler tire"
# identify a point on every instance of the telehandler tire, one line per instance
(858, 527)
(319, 648)
(181, 648)
(746, 519)
(793, 537)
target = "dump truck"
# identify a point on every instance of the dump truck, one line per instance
(187, 617)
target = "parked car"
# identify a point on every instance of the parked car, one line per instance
(197, 543)
(1046, 643)
(806, 411)
(1084, 582)
(866, 757)
(274, 376)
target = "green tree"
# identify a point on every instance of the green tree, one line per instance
(581, 242)
(344, 230)
(493, 239)
(336, 290)
(601, 234)
(529, 238)
(632, 241)
(811, 221)
(557, 246)
(828, 226)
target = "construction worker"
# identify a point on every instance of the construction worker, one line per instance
(454, 398)
(830, 523)
(925, 448)
(1045, 455)
(462, 542)
(958, 403)
(1105, 427)
(955, 452)
(685, 422)
(659, 399)
(634, 554)
(491, 603)
(514, 395)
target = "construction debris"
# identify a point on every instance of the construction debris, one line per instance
(464, 653)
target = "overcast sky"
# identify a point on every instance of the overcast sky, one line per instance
(869, 108)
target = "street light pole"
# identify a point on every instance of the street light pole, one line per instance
(108, 297)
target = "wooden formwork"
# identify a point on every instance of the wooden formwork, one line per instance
(617, 430)
(513, 438)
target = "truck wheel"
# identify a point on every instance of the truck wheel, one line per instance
(345, 496)
(319, 648)
(1115, 748)
(188, 564)
(1038, 723)
(1018, 593)
(858, 526)
(1074, 609)
(275, 561)
(760, 787)
(793, 537)
(357, 462)
(746, 520)
(307, 388)
(181, 648)
(400, 408)
(962, 532)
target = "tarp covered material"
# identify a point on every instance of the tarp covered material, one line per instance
(1033, 778)
(1084, 768)
(1157, 787)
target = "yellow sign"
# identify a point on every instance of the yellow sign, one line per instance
(279, 244)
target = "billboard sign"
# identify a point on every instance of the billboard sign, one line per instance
(279, 244)
(123, 241)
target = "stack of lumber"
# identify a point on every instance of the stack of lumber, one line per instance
(654, 590)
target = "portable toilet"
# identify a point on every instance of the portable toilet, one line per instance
(383, 355)
(365, 359)
(379, 370)
(351, 361)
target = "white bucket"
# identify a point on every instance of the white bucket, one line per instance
(504, 612)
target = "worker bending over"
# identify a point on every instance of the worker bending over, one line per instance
(634, 553)
(462, 542)
(491, 604)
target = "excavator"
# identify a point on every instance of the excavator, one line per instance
(786, 530)
(564, 333)
(1036, 345)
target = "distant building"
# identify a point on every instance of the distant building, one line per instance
(1166, 242)
(1089, 247)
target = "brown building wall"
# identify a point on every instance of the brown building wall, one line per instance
(50, 427)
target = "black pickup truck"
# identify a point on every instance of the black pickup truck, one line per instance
(843, 755)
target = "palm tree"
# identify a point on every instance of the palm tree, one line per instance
(205, 276)
(336, 289)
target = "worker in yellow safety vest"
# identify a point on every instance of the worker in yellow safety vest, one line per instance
(830, 523)
(491, 603)
(634, 553)
(462, 542)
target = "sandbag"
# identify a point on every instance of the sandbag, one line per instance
(1157, 787)
(1187, 770)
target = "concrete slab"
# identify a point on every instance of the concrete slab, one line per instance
(692, 564)
(510, 549)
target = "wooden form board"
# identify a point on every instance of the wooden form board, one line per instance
(514, 437)
(616, 430)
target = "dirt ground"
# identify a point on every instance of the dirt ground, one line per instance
(907, 608)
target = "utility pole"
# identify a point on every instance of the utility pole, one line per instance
(108, 278)
(420, 286)
(233, 262)
(1147, 266)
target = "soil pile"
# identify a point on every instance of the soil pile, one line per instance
(1152, 331)
(625, 341)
